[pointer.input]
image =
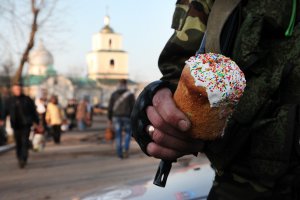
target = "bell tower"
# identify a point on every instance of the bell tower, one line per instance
(107, 59)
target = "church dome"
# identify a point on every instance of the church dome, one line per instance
(107, 28)
(41, 56)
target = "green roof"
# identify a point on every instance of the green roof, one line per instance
(33, 80)
(83, 82)
(114, 81)
(51, 71)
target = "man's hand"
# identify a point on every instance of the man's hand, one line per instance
(170, 126)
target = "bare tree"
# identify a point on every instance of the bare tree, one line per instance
(16, 15)
(36, 8)
(24, 22)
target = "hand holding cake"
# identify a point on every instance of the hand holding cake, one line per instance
(209, 88)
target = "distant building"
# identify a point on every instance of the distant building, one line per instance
(40, 67)
(41, 62)
(42, 80)
(107, 63)
(107, 60)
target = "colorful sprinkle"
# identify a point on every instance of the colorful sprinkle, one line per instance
(222, 78)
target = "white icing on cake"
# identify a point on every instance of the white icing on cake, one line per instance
(220, 76)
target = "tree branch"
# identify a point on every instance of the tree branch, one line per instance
(34, 27)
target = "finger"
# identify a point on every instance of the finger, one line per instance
(165, 105)
(175, 143)
(161, 152)
(158, 122)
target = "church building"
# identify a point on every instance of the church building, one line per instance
(107, 60)
(42, 80)
(107, 63)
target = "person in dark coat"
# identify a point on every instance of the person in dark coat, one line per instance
(23, 116)
(120, 106)
(70, 111)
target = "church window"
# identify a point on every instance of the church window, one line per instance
(110, 43)
(112, 63)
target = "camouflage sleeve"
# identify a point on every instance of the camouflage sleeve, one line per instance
(189, 22)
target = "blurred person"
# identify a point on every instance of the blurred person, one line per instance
(2, 124)
(81, 114)
(23, 116)
(54, 118)
(89, 114)
(39, 134)
(120, 106)
(4, 96)
(70, 111)
(2, 134)
(41, 106)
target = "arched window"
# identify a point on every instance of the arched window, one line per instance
(110, 43)
(112, 63)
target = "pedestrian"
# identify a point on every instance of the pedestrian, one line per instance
(23, 116)
(89, 114)
(70, 111)
(41, 107)
(38, 140)
(54, 118)
(120, 106)
(2, 124)
(4, 97)
(82, 114)
(258, 156)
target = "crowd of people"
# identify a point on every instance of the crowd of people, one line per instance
(41, 118)
(35, 121)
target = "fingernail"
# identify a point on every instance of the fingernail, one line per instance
(184, 125)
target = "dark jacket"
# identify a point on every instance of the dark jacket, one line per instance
(259, 139)
(71, 110)
(125, 107)
(22, 112)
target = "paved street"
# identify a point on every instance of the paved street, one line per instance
(82, 162)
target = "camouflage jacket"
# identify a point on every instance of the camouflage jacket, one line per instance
(261, 140)
(189, 23)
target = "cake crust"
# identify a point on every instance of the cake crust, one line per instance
(207, 122)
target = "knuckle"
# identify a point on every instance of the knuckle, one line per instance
(170, 117)
(166, 92)
(152, 150)
(160, 97)
(156, 101)
(158, 137)
(157, 122)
